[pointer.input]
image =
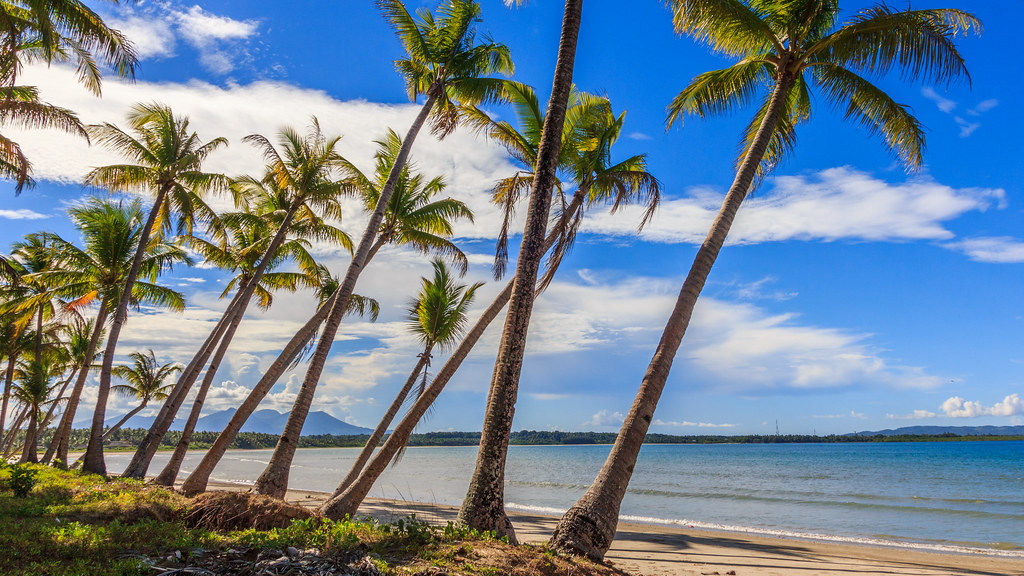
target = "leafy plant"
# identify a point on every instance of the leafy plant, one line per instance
(22, 479)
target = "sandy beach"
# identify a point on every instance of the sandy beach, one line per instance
(652, 550)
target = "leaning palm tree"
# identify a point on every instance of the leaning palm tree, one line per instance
(484, 505)
(413, 217)
(438, 318)
(784, 48)
(246, 262)
(168, 160)
(77, 337)
(326, 286)
(591, 128)
(298, 189)
(447, 65)
(145, 381)
(95, 274)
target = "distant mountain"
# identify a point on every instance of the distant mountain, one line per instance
(958, 430)
(267, 421)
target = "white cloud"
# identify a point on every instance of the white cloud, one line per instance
(604, 419)
(687, 424)
(983, 106)
(151, 35)
(22, 214)
(966, 128)
(638, 136)
(997, 249)
(915, 415)
(851, 414)
(758, 290)
(944, 104)
(834, 204)
(957, 407)
(203, 28)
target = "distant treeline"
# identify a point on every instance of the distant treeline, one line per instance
(255, 440)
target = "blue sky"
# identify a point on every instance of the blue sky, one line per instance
(851, 296)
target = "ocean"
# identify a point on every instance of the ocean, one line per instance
(942, 496)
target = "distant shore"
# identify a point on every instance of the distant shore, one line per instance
(654, 550)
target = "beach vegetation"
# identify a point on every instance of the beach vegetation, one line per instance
(83, 524)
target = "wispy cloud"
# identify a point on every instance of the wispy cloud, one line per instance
(851, 414)
(996, 249)
(22, 214)
(155, 29)
(760, 290)
(688, 424)
(943, 103)
(638, 136)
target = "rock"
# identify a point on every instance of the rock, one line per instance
(294, 552)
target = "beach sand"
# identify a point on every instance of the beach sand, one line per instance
(653, 550)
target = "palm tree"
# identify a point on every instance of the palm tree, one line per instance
(438, 318)
(245, 260)
(144, 380)
(412, 217)
(325, 289)
(590, 130)
(168, 160)
(14, 342)
(484, 506)
(79, 345)
(97, 272)
(298, 185)
(34, 389)
(783, 48)
(50, 31)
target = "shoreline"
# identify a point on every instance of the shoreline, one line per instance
(662, 550)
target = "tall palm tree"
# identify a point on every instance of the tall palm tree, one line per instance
(96, 274)
(438, 318)
(79, 345)
(33, 31)
(299, 187)
(783, 47)
(246, 262)
(144, 380)
(34, 386)
(591, 128)
(31, 301)
(484, 505)
(412, 217)
(168, 160)
(325, 289)
(447, 65)
(14, 342)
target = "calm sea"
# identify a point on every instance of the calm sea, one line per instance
(948, 496)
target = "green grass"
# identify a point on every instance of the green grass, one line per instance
(79, 524)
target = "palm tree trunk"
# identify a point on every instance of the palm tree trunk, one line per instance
(382, 426)
(45, 423)
(200, 477)
(170, 472)
(125, 418)
(94, 461)
(484, 506)
(31, 448)
(151, 443)
(13, 433)
(139, 464)
(61, 438)
(274, 480)
(8, 382)
(589, 526)
(345, 502)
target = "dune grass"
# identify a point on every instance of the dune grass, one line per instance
(73, 523)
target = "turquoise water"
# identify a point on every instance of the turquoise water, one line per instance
(955, 496)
